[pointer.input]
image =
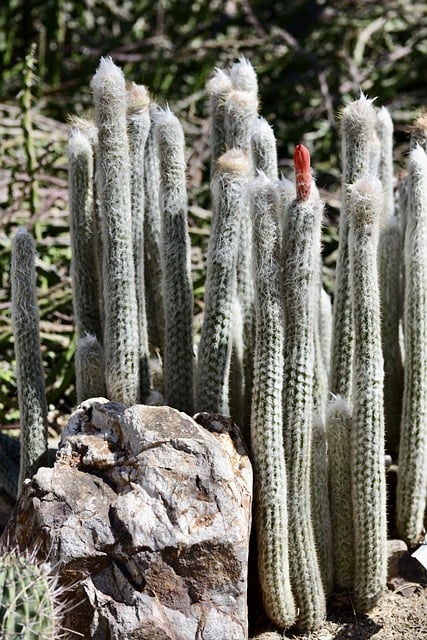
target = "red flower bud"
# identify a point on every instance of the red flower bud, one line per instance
(302, 172)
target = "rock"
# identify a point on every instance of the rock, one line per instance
(150, 512)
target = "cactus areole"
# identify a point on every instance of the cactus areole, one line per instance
(302, 172)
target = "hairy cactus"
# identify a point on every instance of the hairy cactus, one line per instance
(301, 250)
(358, 127)
(138, 129)
(29, 604)
(367, 433)
(264, 149)
(29, 367)
(120, 342)
(338, 432)
(271, 514)
(412, 479)
(177, 288)
(89, 362)
(228, 189)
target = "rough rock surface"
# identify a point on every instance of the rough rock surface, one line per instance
(150, 512)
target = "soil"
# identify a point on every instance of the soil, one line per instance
(395, 617)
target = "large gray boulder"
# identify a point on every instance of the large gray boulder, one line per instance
(147, 513)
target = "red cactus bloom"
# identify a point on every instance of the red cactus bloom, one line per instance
(302, 172)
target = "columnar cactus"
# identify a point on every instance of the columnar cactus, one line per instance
(177, 287)
(412, 479)
(138, 128)
(358, 126)
(219, 86)
(29, 366)
(29, 606)
(228, 191)
(153, 277)
(367, 432)
(338, 431)
(271, 514)
(84, 271)
(90, 367)
(120, 342)
(264, 149)
(301, 250)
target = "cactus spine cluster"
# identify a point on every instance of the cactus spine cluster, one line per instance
(29, 605)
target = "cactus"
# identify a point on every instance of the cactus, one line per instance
(301, 250)
(29, 366)
(120, 342)
(89, 361)
(29, 599)
(219, 86)
(83, 235)
(214, 353)
(152, 239)
(358, 125)
(338, 433)
(367, 433)
(177, 288)
(266, 421)
(264, 149)
(138, 128)
(412, 478)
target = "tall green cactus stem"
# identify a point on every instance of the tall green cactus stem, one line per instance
(29, 366)
(138, 128)
(357, 126)
(367, 435)
(412, 478)
(266, 421)
(29, 605)
(90, 367)
(84, 270)
(390, 262)
(153, 242)
(385, 169)
(301, 250)
(113, 174)
(228, 193)
(338, 433)
(177, 287)
(264, 149)
(219, 86)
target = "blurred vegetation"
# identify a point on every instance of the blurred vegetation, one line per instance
(311, 56)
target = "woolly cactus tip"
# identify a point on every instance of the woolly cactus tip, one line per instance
(78, 143)
(259, 182)
(384, 119)
(302, 172)
(243, 76)
(367, 198)
(233, 161)
(107, 75)
(360, 115)
(219, 83)
(337, 405)
(419, 128)
(138, 97)
(261, 127)
(243, 102)
(418, 157)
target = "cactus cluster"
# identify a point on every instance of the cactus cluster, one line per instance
(319, 395)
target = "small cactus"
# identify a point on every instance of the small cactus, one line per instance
(29, 599)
